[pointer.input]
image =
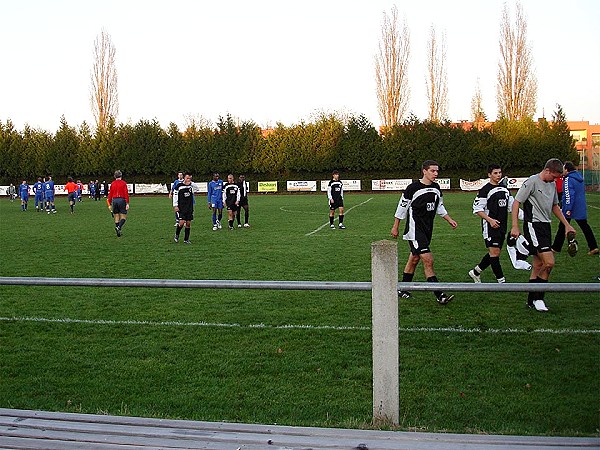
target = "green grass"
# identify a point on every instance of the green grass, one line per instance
(287, 357)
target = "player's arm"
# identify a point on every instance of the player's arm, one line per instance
(479, 207)
(394, 232)
(560, 216)
(514, 213)
(238, 197)
(329, 196)
(175, 199)
(441, 210)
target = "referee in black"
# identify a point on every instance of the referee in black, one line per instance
(183, 203)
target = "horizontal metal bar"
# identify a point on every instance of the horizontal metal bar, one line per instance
(298, 285)
(194, 284)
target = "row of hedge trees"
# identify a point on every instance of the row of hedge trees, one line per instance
(146, 152)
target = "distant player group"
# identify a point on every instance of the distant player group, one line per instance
(230, 195)
(43, 191)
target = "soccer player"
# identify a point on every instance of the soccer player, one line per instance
(231, 198)
(71, 188)
(419, 204)
(12, 192)
(244, 189)
(38, 190)
(492, 203)
(574, 207)
(118, 201)
(49, 195)
(24, 194)
(335, 194)
(79, 190)
(539, 199)
(215, 200)
(183, 203)
(174, 185)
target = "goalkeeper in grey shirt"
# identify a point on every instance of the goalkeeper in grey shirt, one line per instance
(539, 199)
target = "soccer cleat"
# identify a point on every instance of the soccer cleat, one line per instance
(404, 294)
(445, 299)
(476, 278)
(118, 230)
(332, 226)
(502, 280)
(341, 226)
(230, 228)
(572, 247)
(246, 225)
(215, 227)
(539, 305)
(593, 252)
(186, 242)
(176, 238)
(239, 225)
(219, 226)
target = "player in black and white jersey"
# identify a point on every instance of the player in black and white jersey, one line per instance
(492, 204)
(244, 189)
(335, 195)
(183, 204)
(419, 204)
(231, 198)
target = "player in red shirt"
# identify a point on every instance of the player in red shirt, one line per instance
(71, 189)
(118, 201)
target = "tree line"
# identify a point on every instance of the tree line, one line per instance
(146, 152)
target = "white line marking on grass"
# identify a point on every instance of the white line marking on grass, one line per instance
(345, 212)
(293, 327)
(592, 206)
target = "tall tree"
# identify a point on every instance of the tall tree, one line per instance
(391, 70)
(477, 113)
(517, 84)
(104, 95)
(436, 81)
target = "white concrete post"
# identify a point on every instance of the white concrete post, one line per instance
(386, 382)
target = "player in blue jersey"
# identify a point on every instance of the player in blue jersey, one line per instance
(49, 195)
(38, 189)
(24, 194)
(215, 200)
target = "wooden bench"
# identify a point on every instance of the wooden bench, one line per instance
(24, 429)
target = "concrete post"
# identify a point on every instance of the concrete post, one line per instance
(386, 382)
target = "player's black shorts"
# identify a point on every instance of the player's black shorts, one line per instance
(119, 206)
(495, 237)
(185, 214)
(336, 204)
(419, 245)
(243, 201)
(233, 207)
(539, 236)
(72, 197)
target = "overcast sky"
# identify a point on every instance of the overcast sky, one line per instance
(276, 60)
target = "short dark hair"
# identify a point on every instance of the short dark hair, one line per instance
(118, 174)
(493, 167)
(569, 166)
(554, 165)
(428, 163)
(335, 172)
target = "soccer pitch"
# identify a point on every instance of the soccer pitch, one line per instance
(483, 363)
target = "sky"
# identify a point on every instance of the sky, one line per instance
(273, 61)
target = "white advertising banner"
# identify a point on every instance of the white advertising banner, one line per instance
(151, 188)
(512, 183)
(516, 183)
(390, 185)
(349, 185)
(472, 185)
(443, 182)
(304, 186)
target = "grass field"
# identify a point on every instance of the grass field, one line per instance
(484, 363)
